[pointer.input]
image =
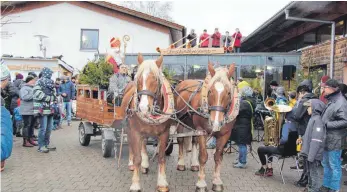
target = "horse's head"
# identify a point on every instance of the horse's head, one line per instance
(219, 95)
(148, 79)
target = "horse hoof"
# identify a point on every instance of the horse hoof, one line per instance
(145, 170)
(217, 188)
(201, 189)
(131, 167)
(181, 167)
(194, 168)
(163, 189)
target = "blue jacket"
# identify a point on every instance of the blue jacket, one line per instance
(68, 88)
(6, 134)
(17, 115)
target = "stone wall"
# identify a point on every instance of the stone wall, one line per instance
(320, 55)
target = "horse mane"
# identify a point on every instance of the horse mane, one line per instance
(221, 75)
(152, 66)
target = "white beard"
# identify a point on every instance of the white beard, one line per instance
(117, 55)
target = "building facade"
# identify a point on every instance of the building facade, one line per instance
(79, 30)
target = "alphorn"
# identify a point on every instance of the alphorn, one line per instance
(172, 46)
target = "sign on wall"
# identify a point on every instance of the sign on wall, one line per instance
(30, 67)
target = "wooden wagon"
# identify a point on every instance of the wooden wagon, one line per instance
(98, 118)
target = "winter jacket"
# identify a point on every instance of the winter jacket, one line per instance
(202, 38)
(242, 131)
(314, 138)
(6, 134)
(69, 89)
(42, 100)
(300, 115)
(6, 95)
(216, 39)
(118, 82)
(334, 118)
(26, 95)
(190, 37)
(237, 37)
(227, 38)
(17, 114)
(17, 85)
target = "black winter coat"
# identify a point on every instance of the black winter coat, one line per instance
(17, 85)
(242, 131)
(300, 114)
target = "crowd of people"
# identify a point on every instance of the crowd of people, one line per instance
(35, 100)
(317, 123)
(233, 41)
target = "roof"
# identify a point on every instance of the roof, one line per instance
(278, 28)
(138, 14)
(118, 8)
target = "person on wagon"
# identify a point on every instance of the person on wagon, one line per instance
(118, 82)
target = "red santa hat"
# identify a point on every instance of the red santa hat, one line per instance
(115, 42)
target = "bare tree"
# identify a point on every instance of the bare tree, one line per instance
(7, 17)
(154, 8)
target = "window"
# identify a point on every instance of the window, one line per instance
(89, 39)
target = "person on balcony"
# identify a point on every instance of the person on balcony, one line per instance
(192, 38)
(216, 38)
(237, 38)
(204, 39)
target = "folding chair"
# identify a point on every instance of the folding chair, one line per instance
(280, 165)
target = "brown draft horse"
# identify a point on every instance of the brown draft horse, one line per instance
(139, 99)
(221, 91)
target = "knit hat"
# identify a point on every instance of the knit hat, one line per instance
(19, 76)
(29, 78)
(32, 74)
(246, 91)
(280, 91)
(332, 83)
(5, 72)
(274, 83)
(323, 80)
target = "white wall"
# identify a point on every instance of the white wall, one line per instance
(63, 22)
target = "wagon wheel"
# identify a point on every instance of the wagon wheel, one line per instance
(107, 147)
(83, 137)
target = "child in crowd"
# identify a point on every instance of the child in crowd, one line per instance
(56, 116)
(18, 119)
(313, 144)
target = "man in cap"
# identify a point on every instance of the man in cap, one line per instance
(118, 82)
(334, 118)
(6, 122)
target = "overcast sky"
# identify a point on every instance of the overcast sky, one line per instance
(226, 15)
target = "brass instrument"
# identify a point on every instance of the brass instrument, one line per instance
(273, 125)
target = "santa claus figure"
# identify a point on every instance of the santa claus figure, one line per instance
(115, 57)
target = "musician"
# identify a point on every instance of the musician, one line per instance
(228, 39)
(205, 38)
(287, 147)
(237, 38)
(192, 38)
(281, 99)
(216, 38)
(273, 87)
(118, 82)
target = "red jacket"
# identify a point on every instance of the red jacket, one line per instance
(237, 40)
(203, 37)
(216, 39)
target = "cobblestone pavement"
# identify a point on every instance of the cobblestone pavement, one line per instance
(73, 167)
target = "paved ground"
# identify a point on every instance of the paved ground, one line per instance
(76, 168)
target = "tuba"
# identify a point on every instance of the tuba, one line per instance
(273, 124)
